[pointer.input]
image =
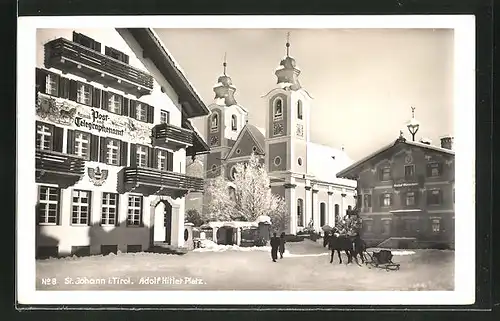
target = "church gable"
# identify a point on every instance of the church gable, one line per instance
(245, 145)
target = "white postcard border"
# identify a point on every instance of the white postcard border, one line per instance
(464, 122)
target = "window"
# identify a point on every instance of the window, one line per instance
(162, 160)
(337, 210)
(83, 94)
(385, 200)
(367, 199)
(277, 161)
(385, 174)
(82, 143)
(436, 225)
(322, 215)
(115, 103)
(368, 226)
(386, 227)
(299, 109)
(164, 117)
(44, 137)
(134, 210)
(300, 212)
(214, 168)
(410, 225)
(142, 156)
(254, 149)
(409, 171)
(234, 123)
(233, 172)
(232, 193)
(51, 84)
(433, 169)
(299, 161)
(278, 109)
(109, 209)
(434, 197)
(141, 112)
(48, 205)
(80, 207)
(410, 198)
(214, 123)
(348, 210)
(112, 151)
(238, 151)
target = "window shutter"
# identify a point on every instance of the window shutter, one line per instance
(125, 106)
(123, 153)
(57, 79)
(63, 87)
(105, 100)
(122, 103)
(381, 200)
(97, 46)
(41, 79)
(102, 149)
(155, 158)
(72, 90)
(96, 98)
(132, 109)
(170, 161)
(57, 141)
(133, 155)
(151, 154)
(151, 114)
(125, 58)
(392, 199)
(70, 147)
(94, 148)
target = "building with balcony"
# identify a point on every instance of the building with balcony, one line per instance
(406, 193)
(113, 131)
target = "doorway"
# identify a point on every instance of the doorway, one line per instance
(167, 222)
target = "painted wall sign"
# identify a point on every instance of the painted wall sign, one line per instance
(63, 112)
(397, 185)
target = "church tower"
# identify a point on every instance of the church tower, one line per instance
(287, 121)
(224, 123)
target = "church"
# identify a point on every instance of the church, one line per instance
(303, 173)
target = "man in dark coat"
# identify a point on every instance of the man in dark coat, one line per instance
(275, 244)
(282, 244)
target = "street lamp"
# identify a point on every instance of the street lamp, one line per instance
(413, 125)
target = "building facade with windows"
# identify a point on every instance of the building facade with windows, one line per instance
(112, 136)
(406, 194)
(302, 172)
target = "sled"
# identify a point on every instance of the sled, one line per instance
(373, 260)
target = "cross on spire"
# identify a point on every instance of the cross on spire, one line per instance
(225, 63)
(287, 44)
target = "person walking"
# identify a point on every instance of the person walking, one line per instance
(282, 244)
(275, 243)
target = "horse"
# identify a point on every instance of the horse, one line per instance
(337, 242)
(358, 248)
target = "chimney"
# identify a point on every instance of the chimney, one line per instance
(447, 142)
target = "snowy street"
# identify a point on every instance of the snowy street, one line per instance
(305, 267)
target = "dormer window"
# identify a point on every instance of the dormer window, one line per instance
(278, 109)
(214, 123)
(299, 109)
(234, 123)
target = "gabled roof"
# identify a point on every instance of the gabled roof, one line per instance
(154, 49)
(256, 135)
(324, 162)
(355, 166)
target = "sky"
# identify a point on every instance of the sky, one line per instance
(363, 81)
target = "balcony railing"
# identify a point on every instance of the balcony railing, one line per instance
(153, 181)
(166, 134)
(58, 168)
(72, 57)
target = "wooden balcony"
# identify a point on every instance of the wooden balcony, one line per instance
(149, 181)
(58, 168)
(92, 65)
(167, 135)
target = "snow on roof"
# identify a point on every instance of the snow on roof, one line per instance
(258, 135)
(262, 130)
(324, 162)
(176, 64)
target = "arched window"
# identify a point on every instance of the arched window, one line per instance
(322, 213)
(234, 123)
(214, 124)
(299, 109)
(232, 193)
(349, 209)
(337, 211)
(233, 172)
(300, 212)
(278, 109)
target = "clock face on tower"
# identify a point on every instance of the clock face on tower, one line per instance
(214, 141)
(278, 129)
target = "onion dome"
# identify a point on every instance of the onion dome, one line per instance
(288, 72)
(224, 89)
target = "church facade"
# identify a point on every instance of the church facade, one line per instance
(303, 173)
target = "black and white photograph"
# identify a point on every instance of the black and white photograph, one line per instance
(245, 160)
